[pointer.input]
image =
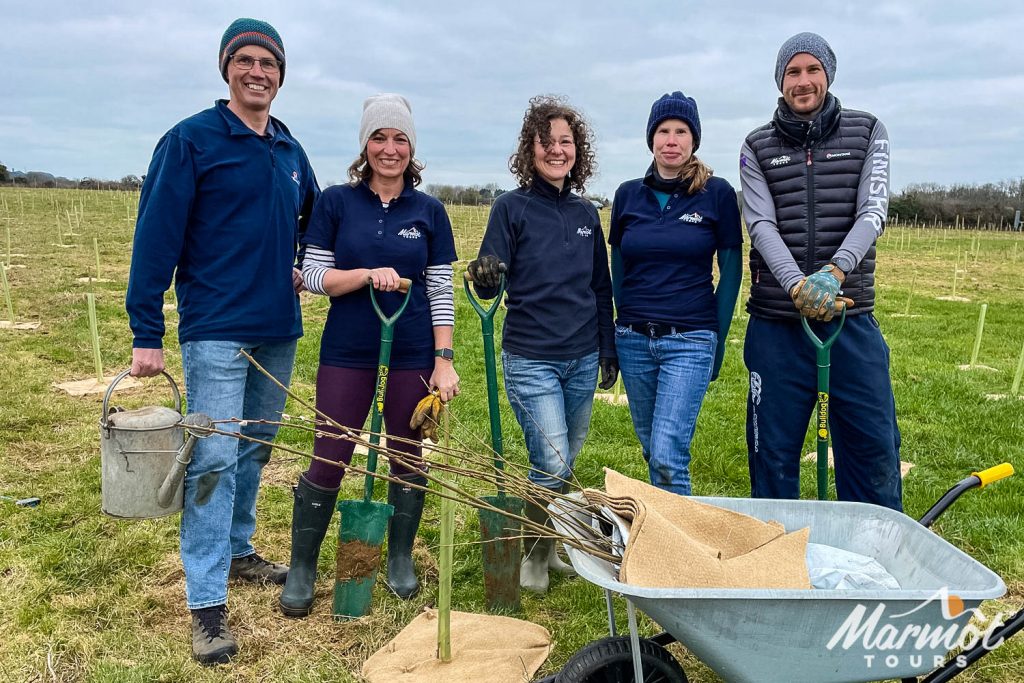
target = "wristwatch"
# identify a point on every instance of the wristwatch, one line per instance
(447, 354)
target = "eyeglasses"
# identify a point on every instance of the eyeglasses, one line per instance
(246, 63)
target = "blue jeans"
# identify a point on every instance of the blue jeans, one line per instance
(223, 478)
(666, 379)
(552, 400)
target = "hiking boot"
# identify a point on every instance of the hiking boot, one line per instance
(408, 503)
(255, 569)
(311, 515)
(212, 641)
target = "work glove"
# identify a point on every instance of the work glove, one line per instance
(426, 415)
(815, 296)
(609, 372)
(486, 271)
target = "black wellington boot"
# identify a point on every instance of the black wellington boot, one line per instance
(311, 515)
(405, 523)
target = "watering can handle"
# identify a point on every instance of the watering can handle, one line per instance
(200, 422)
(121, 376)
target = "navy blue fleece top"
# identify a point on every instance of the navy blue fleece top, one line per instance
(667, 249)
(409, 234)
(221, 211)
(559, 289)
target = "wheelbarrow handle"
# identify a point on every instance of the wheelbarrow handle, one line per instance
(976, 480)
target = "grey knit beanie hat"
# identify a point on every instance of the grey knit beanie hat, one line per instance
(386, 110)
(812, 44)
(247, 31)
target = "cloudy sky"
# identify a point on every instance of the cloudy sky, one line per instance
(89, 87)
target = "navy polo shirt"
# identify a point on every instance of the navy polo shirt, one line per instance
(667, 252)
(409, 234)
(221, 210)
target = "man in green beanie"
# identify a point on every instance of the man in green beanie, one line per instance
(226, 198)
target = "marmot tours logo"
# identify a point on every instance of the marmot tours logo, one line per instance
(900, 641)
(691, 217)
(410, 233)
(584, 231)
(779, 161)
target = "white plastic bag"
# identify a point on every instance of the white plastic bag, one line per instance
(835, 568)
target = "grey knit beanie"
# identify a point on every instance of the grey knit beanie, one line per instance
(812, 44)
(386, 110)
(244, 32)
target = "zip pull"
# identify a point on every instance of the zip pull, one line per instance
(810, 161)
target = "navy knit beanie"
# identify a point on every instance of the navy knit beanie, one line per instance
(812, 44)
(244, 32)
(674, 106)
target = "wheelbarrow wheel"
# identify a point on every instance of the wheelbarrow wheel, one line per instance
(611, 659)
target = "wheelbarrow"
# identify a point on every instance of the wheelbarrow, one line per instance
(812, 636)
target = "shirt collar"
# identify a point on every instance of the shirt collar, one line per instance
(237, 127)
(546, 189)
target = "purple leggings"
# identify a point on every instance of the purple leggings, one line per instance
(345, 394)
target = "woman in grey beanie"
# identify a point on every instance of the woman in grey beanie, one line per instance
(369, 233)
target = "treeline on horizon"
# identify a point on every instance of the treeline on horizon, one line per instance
(987, 204)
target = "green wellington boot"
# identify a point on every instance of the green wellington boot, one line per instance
(311, 515)
(405, 523)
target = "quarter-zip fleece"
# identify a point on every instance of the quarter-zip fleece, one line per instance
(221, 210)
(559, 288)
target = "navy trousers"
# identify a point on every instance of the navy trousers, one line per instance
(862, 410)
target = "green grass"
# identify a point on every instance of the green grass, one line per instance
(88, 597)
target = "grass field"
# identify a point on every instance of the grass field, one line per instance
(88, 597)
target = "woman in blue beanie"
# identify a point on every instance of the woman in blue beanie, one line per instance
(672, 321)
(558, 330)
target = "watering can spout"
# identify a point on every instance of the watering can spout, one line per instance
(198, 426)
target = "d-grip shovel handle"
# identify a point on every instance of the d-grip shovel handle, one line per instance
(404, 283)
(387, 335)
(488, 313)
(200, 423)
(816, 340)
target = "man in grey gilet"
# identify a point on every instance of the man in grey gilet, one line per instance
(815, 198)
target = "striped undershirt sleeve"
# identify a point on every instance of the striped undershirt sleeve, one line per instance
(316, 264)
(440, 294)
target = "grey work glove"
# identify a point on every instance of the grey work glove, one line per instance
(815, 295)
(486, 271)
(609, 372)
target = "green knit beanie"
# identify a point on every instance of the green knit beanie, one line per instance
(244, 32)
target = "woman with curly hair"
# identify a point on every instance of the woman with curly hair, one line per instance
(672, 322)
(558, 330)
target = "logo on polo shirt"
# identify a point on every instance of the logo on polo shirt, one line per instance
(410, 233)
(779, 161)
(584, 231)
(295, 177)
(692, 217)
(837, 155)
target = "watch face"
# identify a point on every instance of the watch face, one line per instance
(447, 354)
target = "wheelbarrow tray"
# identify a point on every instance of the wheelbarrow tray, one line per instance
(769, 634)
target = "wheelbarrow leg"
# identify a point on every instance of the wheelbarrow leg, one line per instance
(612, 630)
(634, 641)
